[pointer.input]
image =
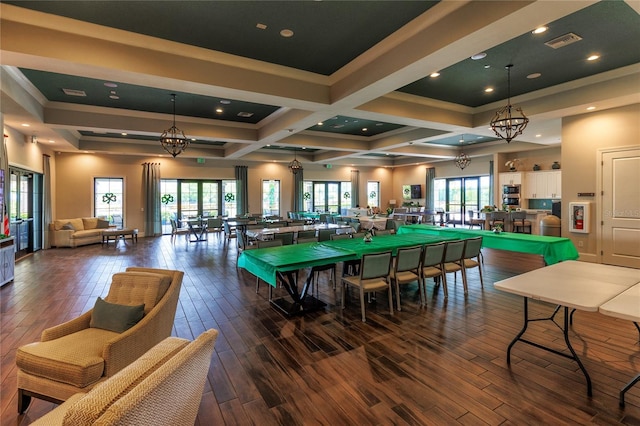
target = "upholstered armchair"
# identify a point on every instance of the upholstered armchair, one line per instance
(163, 387)
(75, 356)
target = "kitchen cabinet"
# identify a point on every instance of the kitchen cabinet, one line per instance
(543, 184)
(511, 178)
(7, 260)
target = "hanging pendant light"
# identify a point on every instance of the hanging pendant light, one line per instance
(509, 121)
(173, 139)
(462, 160)
(295, 165)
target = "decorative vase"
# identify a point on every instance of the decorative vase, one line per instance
(512, 169)
(555, 165)
(536, 167)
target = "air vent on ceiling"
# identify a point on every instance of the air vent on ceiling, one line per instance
(337, 126)
(73, 92)
(563, 40)
(245, 114)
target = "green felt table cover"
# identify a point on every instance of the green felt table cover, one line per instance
(387, 242)
(265, 262)
(552, 249)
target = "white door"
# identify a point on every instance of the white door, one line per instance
(621, 208)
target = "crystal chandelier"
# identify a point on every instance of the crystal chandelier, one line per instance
(462, 160)
(173, 139)
(509, 121)
(295, 165)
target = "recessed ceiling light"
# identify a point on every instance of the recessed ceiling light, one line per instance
(434, 74)
(225, 102)
(479, 56)
(534, 75)
(261, 26)
(539, 30)
(479, 137)
(52, 141)
(219, 110)
(245, 114)
(489, 89)
(320, 123)
(538, 135)
(487, 66)
(124, 134)
(364, 129)
(286, 33)
(591, 108)
(109, 84)
(25, 125)
(593, 57)
(304, 147)
(114, 97)
(268, 144)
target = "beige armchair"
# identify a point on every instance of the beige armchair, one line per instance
(73, 357)
(163, 387)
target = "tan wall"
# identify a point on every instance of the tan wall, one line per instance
(582, 136)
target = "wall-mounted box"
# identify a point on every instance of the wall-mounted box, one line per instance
(579, 217)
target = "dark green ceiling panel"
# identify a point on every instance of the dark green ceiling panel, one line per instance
(140, 98)
(354, 126)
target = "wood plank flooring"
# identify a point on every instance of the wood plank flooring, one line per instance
(440, 365)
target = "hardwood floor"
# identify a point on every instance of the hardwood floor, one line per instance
(443, 364)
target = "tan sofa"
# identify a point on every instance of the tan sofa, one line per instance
(81, 231)
(163, 387)
(74, 356)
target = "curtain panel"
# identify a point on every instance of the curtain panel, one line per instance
(47, 214)
(151, 182)
(242, 189)
(429, 189)
(355, 188)
(298, 191)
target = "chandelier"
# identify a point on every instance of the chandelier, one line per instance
(173, 139)
(462, 160)
(509, 121)
(295, 165)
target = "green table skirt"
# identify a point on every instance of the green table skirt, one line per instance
(552, 249)
(265, 263)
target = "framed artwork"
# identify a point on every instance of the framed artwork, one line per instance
(406, 192)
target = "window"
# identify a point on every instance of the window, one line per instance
(327, 196)
(271, 197)
(109, 200)
(459, 195)
(373, 194)
(189, 198)
(229, 191)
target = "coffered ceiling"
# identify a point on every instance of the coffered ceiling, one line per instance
(341, 82)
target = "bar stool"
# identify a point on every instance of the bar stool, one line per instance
(520, 223)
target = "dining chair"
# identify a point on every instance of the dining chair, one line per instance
(374, 276)
(214, 225)
(243, 244)
(382, 232)
(358, 235)
(229, 232)
(497, 218)
(452, 263)
(307, 240)
(307, 234)
(474, 221)
(520, 223)
(431, 266)
(406, 270)
(325, 234)
(471, 258)
(286, 237)
(339, 236)
(175, 231)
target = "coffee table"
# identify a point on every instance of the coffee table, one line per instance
(116, 234)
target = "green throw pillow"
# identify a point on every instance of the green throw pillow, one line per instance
(118, 318)
(68, 226)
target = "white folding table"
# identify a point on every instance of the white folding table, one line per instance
(570, 285)
(626, 306)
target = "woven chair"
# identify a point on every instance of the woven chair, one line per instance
(432, 257)
(163, 387)
(374, 276)
(406, 270)
(73, 357)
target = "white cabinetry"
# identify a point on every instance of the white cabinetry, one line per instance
(543, 184)
(512, 178)
(7, 260)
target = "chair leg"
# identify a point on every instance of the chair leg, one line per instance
(397, 294)
(23, 401)
(464, 280)
(364, 318)
(391, 301)
(342, 294)
(444, 284)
